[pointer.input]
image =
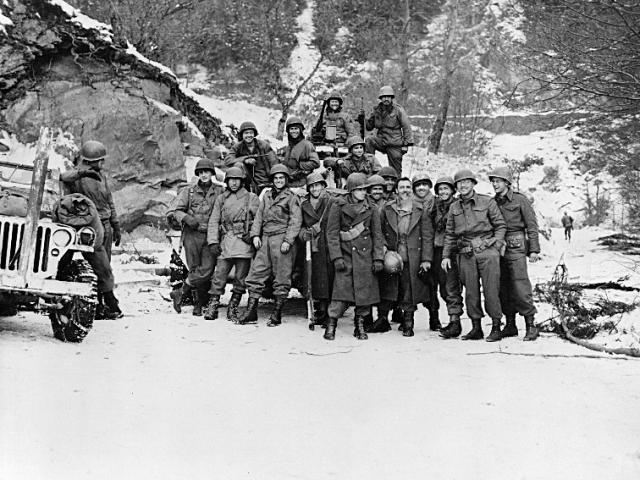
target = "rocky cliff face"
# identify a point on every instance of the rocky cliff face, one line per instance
(63, 70)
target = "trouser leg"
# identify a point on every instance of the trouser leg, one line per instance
(259, 271)
(521, 293)
(242, 269)
(282, 265)
(219, 279)
(101, 267)
(394, 154)
(470, 279)
(108, 237)
(489, 266)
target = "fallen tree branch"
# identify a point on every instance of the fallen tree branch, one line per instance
(549, 355)
(632, 352)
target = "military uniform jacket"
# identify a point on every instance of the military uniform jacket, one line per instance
(321, 267)
(357, 284)
(520, 218)
(367, 164)
(419, 244)
(392, 125)
(227, 222)
(345, 128)
(97, 191)
(279, 212)
(262, 152)
(196, 201)
(439, 215)
(476, 217)
(301, 159)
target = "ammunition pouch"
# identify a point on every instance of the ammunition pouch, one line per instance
(352, 233)
(474, 245)
(515, 240)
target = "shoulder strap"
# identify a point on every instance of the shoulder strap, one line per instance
(246, 213)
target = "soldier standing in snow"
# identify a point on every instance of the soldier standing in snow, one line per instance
(192, 210)
(476, 229)
(89, 180)
(567, 223)
(393, 130)
(522, 240)
(315, 215)
(299, 156)
(254, 156)
(355, 247)
(274, 232)
(229, 240)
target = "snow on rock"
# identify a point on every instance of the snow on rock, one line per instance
(80, 18)
(25, 154)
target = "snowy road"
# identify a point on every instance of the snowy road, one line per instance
(160, 395)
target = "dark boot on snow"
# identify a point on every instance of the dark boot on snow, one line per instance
(510, 329)
(381, 325)
(330, 332)
(211, 312)
(197, 303)
(232, 308)
(407, 330)
(251, 315)
(177, 294)
(99, 308)
(111, 306)
(495, 335)
(476, 332)
(275, 318)
(434, 321)
(532, 331)
(320, 316)
(396, 316)
(358, 331)
(453, 329)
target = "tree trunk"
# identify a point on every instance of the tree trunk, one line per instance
(282, 122)
(405, 72)
(438, 125)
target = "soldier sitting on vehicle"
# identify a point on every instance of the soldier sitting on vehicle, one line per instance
(254, 156)
(299, 156)
(357, 161)
(334, 125)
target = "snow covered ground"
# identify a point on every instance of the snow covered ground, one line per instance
(163, 396)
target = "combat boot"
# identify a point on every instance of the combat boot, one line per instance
(510, 329)
(232, 308)
(396, 316)
(320, 315)
(407, 330)
(532, 331)
(99, 315)
(197, 303)
(476, 332)
(111, 307)
(177, 295)
(381, 325)
(358, 331)
(434, 321)
(453, 329)
(495, 335)
(211, 312)
(275, 318)
(251, 315)
(330, 332)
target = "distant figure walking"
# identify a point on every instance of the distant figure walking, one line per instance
(567, 223)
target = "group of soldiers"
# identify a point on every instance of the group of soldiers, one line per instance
(385, 240)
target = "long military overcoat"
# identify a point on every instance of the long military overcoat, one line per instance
(357, 284)
(419, 247)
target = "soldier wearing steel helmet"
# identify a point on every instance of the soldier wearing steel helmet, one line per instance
(274, 232)
(334, 116)
(407, 229)
(357, 160)
(315, 215)
(390, 176)
(254, 156)
(375, 190)
(192, 210)
(229, 241)
(393, 129)
(299, 155)
(89, 179)
(447, 282)
(475, 230)
(521, 241)
(355, 247)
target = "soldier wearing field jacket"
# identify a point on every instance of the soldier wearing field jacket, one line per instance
(516, 295)
(299, 155)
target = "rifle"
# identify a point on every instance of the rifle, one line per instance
(307, 260)
(361, 117)
(317, 132)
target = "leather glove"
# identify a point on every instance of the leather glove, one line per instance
(339, 264)
(191, 222)
(377, 266)
(89, 173)
(215, 249)
(117, 235)
(306, 234)
(285, 247)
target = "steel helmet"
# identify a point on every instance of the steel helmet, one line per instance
(234, 172)
(335, 95)
(315, 177)
(392, 263)
(421, 178)
(388, 172)
(353, 141)
(279, 168)
(247, 126)
(356, 180)
(386, 91)
(205, 164)
(92, 151)
(464, 174)
(503, 173)
(291, 121)
(444, 181)
(375, 180)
